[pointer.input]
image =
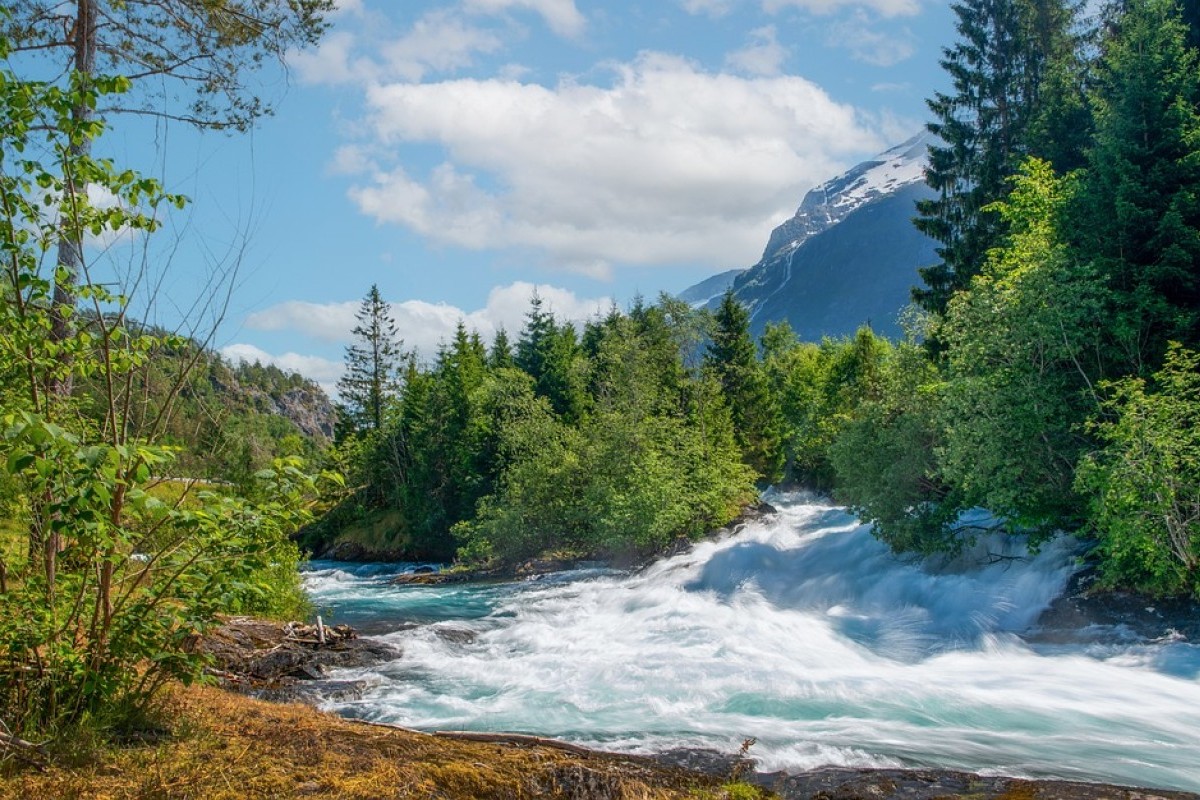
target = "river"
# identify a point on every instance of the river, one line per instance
(802, 632)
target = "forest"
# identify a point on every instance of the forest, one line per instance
(1048, 376)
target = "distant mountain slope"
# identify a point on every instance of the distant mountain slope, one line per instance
(706, 290)
(849, 256)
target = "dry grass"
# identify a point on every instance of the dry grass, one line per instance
(229, 746)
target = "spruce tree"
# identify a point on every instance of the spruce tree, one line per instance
(1143, 182)
(732, 358)
(547, 351)
(999, 68)
(371, 379)
(500, 356)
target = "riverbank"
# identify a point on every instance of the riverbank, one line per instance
(218, 745)
(551, 563)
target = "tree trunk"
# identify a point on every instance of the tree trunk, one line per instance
(70, 245)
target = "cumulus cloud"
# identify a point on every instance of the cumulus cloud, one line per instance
(887, 8)
(561, 16)
(866, 43)
(422, 325)
(764, 55)
(667, 164)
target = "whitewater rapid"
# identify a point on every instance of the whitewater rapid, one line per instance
(803, 632)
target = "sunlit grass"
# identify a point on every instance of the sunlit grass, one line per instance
(213, 744)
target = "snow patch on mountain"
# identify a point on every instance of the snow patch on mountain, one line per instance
(829, 203)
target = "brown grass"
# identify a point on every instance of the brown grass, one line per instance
(228, 746)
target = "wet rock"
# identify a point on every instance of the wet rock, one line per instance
(456, 635)
(706, 761)
(899, 784)
(433, 578)
(312, 692)
(1085, 613)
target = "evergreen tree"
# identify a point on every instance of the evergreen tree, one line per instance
(731, 357)
(547, 351)
(1144, 182)
(999, 69)
(501, 356)
(370, 381)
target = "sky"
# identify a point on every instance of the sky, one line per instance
(461, 154)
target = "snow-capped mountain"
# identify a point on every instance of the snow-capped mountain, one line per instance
(833, 201)
(849, 256)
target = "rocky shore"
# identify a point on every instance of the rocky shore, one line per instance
(290, 663)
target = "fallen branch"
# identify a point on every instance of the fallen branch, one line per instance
(25, 751)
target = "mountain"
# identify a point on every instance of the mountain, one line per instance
(849, 256)
(710, 288)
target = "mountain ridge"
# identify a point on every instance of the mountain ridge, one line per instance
(851, 244)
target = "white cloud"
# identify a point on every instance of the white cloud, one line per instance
(560, 15)
(333, 62)
(669, 164)
(350, 159)
(866, 43)
(438, 42)
(887, 8)
(422, 326)
(348, 7)
(764, 55)
(441, 41)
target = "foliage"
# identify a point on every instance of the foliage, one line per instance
(200, 51)
(1145, 482)
(1014, 95)
(633, 475)
(885, 459)
(819, 388)
(1021, 364)
(1143, 180)
(105, 600)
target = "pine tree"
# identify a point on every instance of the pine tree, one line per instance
(731, 356)
(999, 69)
(371, 379)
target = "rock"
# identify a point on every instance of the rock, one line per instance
(257, 656)
(455, 635)
(1085, 613)
(706, 761)
(543, 566)
(432, 578)
(312, 692)
(930, 784)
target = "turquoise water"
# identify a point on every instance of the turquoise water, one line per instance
(803, 632)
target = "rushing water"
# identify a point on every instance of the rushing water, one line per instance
(803, 632)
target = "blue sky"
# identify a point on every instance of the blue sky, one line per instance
(460, 153)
